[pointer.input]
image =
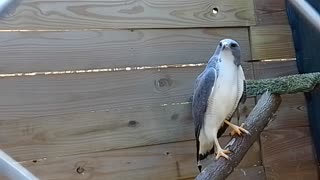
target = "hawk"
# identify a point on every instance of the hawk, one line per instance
(218, 91)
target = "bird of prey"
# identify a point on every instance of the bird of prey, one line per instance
(218, 91)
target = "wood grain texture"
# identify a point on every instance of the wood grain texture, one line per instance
(86, 14)
(166, 161)
(288, 152)
(285, 146)
(60, 51)
(44, 95)
(271, 42)
(254, 173)
(273, 69)
(270, 12)
(46, 116)
(292, 113)
(295, 172)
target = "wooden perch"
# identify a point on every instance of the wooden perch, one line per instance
(257, 120)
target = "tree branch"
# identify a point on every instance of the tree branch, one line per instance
(257, 120)
(283, 85)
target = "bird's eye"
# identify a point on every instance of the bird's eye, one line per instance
(220, 44)
(233, 45)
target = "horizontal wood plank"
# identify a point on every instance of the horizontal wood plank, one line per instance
(288, 153)
(86, 14)
(36, 96)
(271, 42)
(290, 148)
(270, 12)
(292, 113)
(273, 69)
(166, 161)
(74, 50)
(293, 172)
(55, 115)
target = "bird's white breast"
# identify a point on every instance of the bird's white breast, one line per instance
(223, 97)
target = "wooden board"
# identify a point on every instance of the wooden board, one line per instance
(43, 95)
(166, 161)
(270, 12)
(54, 115)
(292, 113)
(293, 172)
(272, 69)
(271, 42)
(61, 51)
(255, 173)
(288, 152)
(88, 14)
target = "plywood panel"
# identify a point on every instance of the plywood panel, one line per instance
(270, 12)
(271, 42)
(60, 51)
(86, 14)
(166, 161)
(54, 115)
(288, 152)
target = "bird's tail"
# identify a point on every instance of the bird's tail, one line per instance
(202, 156)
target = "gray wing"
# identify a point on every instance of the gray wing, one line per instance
(202, 91)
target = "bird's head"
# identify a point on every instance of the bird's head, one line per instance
(229, 47)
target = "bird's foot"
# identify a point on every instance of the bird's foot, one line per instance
(222, 153)
(238, 130)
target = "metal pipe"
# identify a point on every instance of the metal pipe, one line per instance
(307, 11)
(7, 7)
(12, 169)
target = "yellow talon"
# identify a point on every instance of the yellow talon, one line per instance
(223, 153)
(236, 129)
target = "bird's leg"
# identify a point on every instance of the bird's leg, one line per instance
(220, 151)
(236, 129)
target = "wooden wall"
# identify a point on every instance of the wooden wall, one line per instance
(101, 89)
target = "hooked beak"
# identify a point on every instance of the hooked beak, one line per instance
(200, 168)
(224, 46)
